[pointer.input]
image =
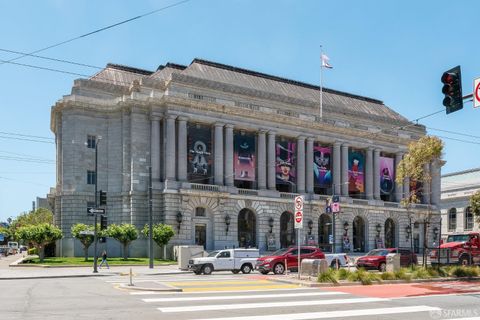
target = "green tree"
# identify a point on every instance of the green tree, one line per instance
(475, 205)
(39, 216)
(124, 233)
(86, 240)
(39, 235)
(162, 233)
(426, 150)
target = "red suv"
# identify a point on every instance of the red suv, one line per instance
(377, 259)
(276, 261)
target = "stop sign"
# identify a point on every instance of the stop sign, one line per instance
(298, 217)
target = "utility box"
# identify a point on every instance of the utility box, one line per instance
(313, 267)
(393, 262)
(186, 253)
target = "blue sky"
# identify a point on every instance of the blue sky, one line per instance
(394, 51)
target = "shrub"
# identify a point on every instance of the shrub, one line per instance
(388, 276)
(461, 271)
(443, 272)
(402, 274)
(329, 276)
(365, 277)
(433, 272)
(421, 273)
(343, 274)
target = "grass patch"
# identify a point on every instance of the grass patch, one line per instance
(365, 277)
(388, 276)
(329, 276)
(421, 273)
(403, 274)
(343, 274)
(461, 271)
(80, 261)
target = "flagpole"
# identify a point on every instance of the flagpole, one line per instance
(321, 83)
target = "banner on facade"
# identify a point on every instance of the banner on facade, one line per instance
(286, 163)
(322, 166)
(199, 153)
(387, 175)
(244, 157)
(356, 174)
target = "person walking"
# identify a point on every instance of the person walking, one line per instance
(104, 260)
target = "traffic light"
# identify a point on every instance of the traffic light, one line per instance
(452, 89)
(103, 198)
(103, 222)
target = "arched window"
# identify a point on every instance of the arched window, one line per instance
(287, 230)
(468, 215)
(324, 232)
(452, 219)
(247, 229)
(389, 233)
(358, 234)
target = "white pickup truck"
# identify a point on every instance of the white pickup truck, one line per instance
(235, 260)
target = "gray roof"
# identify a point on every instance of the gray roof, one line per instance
(203, 69)
(462, 179)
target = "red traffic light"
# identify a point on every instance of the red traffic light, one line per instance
(452, 89)
(449, 78)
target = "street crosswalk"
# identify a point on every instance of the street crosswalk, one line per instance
(287, 304)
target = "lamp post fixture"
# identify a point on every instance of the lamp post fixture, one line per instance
(270, 224)
(310, 226)
(435, 233)
(345, 226)
(179, 220)
(408, 231)
(227, 222)
(378, 227)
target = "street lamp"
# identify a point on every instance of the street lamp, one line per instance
(227, 222)
(379, 229)
(435, 233)
(408, 231)
(179, 220)
(270, 224)
(345, 226)
(95, 235)
(310, 226)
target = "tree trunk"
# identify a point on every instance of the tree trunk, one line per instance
(41, 253)
(85, 252)
(125, 251)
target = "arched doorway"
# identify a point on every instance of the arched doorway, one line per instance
(389, 233)
(358, 234)
(324, 231)
(287, 231)
(247, 225)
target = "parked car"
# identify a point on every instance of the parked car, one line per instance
(4, 251)
(377, 259)
(276, 261)
(235, 260)
(459, 248)
(23, 248)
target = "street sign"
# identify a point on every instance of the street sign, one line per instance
(335, 207)
(87, 233)
(93, 210)
(298, 219)
(299, 203)
(330, 238)
(476, 93)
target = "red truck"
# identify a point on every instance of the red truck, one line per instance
(459, 248)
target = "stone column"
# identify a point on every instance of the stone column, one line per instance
(369, 176)
(337, 165)
(170, 144)
(271, 160)
(426, 184)
(376, 174)
(309, 166)
(155, 147)
(182, 149)
(218, 149)
(436, 170)
(344, 168)
(398, 187)
(301, 164)
(229, 174)
(262, 160)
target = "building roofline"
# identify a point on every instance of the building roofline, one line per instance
(129, 69)
(284, 80)
(172, 65)
(460, 172)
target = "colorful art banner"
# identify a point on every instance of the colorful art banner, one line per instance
(356, 171)
(199, 153)
(286, 163)
(322, 156)
(387, 175)
(244, 157)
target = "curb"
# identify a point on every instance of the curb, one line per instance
(87, 275)
(170, 289)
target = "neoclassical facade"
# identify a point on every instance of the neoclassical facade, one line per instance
(228, 150)
(457, 188)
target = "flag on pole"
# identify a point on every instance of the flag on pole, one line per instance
(325, 60)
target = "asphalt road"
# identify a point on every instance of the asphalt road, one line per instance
(219, 296)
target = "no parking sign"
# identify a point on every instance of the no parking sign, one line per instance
(298, 212)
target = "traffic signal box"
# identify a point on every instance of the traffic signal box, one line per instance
(103, 198)
(452, 89)
(103, 222)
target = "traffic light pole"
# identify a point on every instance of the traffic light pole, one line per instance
(150, 219)
(95, 236)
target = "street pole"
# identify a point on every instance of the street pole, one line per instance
(150, 219)
(95, 236)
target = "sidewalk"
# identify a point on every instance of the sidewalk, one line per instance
(32, 272)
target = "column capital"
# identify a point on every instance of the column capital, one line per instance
(377, 151)
(400, 154)
(337, 143)
(310, 139)
(219, 124)
(170, 116)
(301, 138)
(229, 126)
(155, 118)
(183, 118)
(370, 148)
(271, 133)
(262, 131)
(345, 145)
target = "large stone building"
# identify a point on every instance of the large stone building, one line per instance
(457, 188)
(229, 149)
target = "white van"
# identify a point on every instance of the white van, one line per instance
(13, 246)
(235, 260)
